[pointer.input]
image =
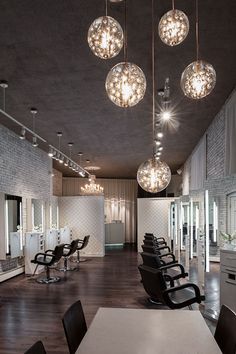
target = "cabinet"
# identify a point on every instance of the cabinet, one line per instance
(52, 239)
(34, 243)
(16, 244)
(228, 278)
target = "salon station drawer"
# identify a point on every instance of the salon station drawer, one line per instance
(228, 258)
(228, 279)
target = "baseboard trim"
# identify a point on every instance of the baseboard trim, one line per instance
(11, 273)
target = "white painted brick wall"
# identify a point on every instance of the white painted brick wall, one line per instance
(217, 183)
(24, 171)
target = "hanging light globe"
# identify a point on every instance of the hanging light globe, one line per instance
(105, 37)
(198, 79)
(153, 175)
(125, 84)
(173, 27)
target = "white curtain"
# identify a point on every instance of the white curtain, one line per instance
(120, 200)
(198, 166)
(230, 136)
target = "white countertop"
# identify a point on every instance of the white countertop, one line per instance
(140, 331)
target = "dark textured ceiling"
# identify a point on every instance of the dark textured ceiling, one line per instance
(46, 59)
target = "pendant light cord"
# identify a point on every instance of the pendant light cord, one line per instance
(173, 4)
(125, 33)
(197, 31)
(34, 122)
(106, 7)
(153, 78)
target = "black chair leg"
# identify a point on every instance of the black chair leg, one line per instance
(66, 266)
(48, 278)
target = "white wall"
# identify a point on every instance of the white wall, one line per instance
(153, 216)
(85, 216)
(24, 171)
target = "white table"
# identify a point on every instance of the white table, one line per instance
(137, 331)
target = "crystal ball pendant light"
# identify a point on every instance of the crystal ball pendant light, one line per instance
(153, 175)
(173, 27)
(198, 79)
(105, 37)
(125, 84)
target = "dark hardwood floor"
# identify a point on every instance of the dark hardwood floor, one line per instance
(30, 311)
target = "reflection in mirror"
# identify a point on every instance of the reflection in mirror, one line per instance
(38, 221)
(194, 222)
(185, 224)
(54, 216)
(13, 218)
(214, 242)
(172, 225)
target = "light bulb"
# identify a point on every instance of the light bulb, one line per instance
(166, 115)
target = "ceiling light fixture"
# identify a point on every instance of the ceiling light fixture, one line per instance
(199, 78)
(92, 188)
(153, 175)
(173, 27)
(166, 115)
(160, 135)
(50, 151)
(125, 82)
(60, 157)
(34, 140)
(105, 37)
(22, 133)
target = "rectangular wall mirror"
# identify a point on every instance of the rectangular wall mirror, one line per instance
(13, 219)
(38, 215)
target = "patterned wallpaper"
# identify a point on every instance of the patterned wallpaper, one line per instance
(85, 216)
(153, 217)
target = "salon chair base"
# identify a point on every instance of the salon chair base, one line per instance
(49, 280)
(66, 267)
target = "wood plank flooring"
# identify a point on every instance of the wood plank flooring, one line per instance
(30, 311)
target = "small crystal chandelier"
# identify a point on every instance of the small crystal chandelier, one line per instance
(173, 27)
(154, 175)
(92, 188)
(199, 78)
(125, 82)
(105, 37)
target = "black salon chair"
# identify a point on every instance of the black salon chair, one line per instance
(37, 348)
(74, 325)
(82, 244)
(69, 250)
(167, 258)
(48, 259)
(225, 334)
(156, 245)
(149, 236)
(175, 271)
(175, 297)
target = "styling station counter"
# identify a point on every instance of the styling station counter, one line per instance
(228, 278)
(114, 233)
